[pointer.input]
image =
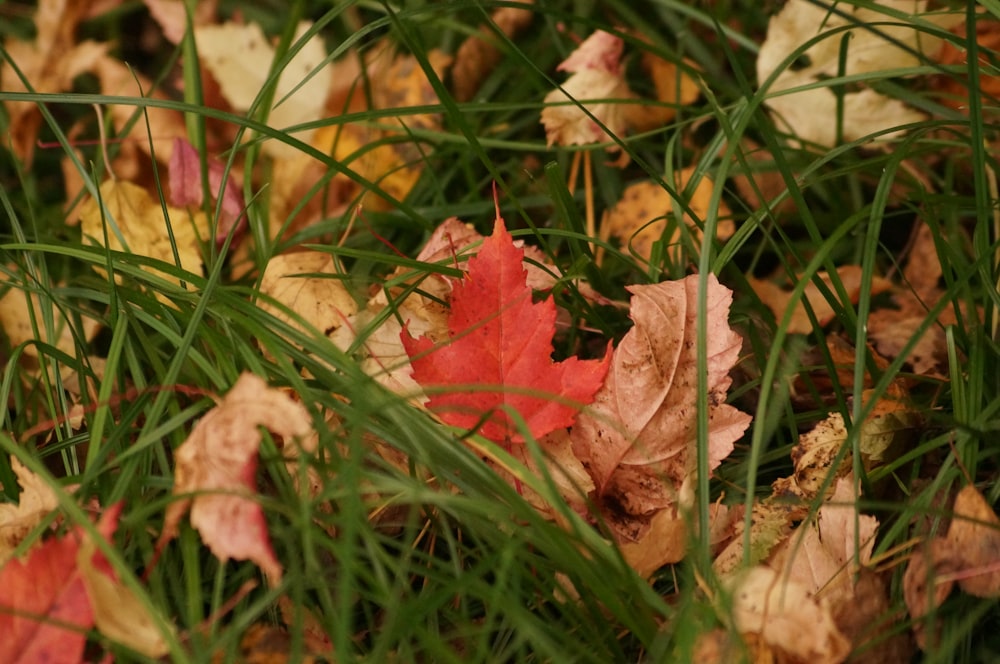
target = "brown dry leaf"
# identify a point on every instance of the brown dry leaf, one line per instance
(16, 521)
(810, 114)
(136, 225)
(870, 622)
(266, 644)
(218, 463)
(637, 438)
(828, 551)
(888, 429)
(975, 532)
(953, 89)
(479, 54)
(759, 182)
(597, 76)
(647, 213)
(927, 581)
(782, 613)
(49, 64)
(308, 283)
(118, 614)
(771, 524)
(891, 329)
(240, 57)
(778, 299)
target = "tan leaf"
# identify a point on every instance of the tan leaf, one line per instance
(49, 64)
(789, 620)
(647, 213)
(829, 550)
(810, 114)
(597, 75)
(135, 224)
(645, 413)
(479, 54)
(218, 462)
(927, 581)
(779, 299)
(240, 58)
(118, 613)
(171, 15)
(307, 282)
(16, 521)
(975, 532)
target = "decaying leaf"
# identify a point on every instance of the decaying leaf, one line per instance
(975, 532)
(792, 624)
(645, 413)
(886, 431)
(891, 329)
(240, 59)
(135, 224)
(954, 88)
(218, 462)
(928, 580)
(498, 361)
(598, 85)
(479, 54)
(647, 213)
(36, 501)
(811, 115)
(778, 299)
(308, 283)
(826, 552)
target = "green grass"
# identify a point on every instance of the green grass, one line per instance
(459, 567)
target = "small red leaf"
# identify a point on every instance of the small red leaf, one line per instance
(186, 191)
(498, 360)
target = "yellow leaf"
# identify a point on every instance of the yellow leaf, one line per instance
(307, 283)
(136, 225)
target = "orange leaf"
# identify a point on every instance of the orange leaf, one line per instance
(501, 347)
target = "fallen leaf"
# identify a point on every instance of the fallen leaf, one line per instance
(572, 114)
(826, 552)
(953, 88)
(674, 87)
(118, 613)
(240, 59)
(647, 213)
(186, 187)
(645, 413)
(49, 64)
(498, 359)
(793, 624)
(888, 430)
(811, 115)
(778, 299)
(927, 581)
(16, 521)
(308, 283)
(218, 462)
(172, 16)
(45, 611)
(479, 54)
(135, 224)
(23, 315)
(975, 532)
(891, 329)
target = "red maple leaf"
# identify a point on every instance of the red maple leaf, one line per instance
(498, 358)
